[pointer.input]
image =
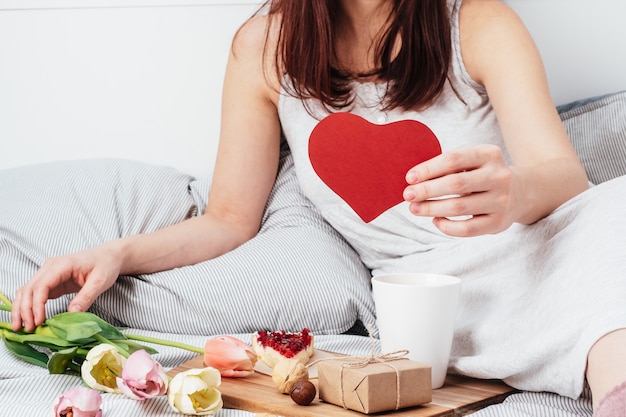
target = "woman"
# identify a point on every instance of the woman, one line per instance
(470, 72)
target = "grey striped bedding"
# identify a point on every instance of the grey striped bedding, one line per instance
(31, 390)
(297, 272)
(597, 129)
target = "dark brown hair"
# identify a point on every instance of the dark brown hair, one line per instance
(416, 74)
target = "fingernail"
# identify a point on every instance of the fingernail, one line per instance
(74, 308)
(408, 194)
(411, 178)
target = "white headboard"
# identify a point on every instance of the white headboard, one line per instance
(141, 79)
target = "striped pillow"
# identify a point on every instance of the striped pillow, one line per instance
(597, 129)
(298, 271)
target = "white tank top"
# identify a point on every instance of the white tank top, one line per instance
(395, 233)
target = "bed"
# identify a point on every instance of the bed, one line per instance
(117, 130)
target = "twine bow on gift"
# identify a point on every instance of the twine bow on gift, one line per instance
(362, 361)
(386, 359)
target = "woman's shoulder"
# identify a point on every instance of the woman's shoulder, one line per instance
(255, 42)
(486, 19)
(252, 33)
(485, 11)
(487, 29)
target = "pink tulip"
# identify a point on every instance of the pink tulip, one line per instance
(230, 356)
(142, 377)
(79, 402)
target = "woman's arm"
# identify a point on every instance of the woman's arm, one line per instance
(500, 54)
(245, 170)
(244, 174)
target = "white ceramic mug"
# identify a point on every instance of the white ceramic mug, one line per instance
(417, 312)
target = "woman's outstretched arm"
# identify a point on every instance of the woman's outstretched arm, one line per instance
(245, 171)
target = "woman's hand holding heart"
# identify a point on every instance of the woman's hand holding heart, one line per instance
(475, 182)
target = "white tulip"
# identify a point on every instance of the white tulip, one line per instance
(101, 367)
(195, 392)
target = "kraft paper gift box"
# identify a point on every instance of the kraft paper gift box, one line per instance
(374, 386)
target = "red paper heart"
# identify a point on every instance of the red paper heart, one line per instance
(365, 163)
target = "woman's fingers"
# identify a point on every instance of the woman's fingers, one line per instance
(451, 162)
(88, 273)
(455, 184)
(473, 226)
(97, 283)
(56, 277)
(39, 298)
(452, 206)
(19, 317)
(468, 191)
(28, 310)
(29, 303)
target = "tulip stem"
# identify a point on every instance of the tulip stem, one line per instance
(164, 342)
(6, 301)
(6, 326)
(120, 349)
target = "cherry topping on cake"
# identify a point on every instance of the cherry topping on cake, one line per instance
(287, 344)
(270, 347)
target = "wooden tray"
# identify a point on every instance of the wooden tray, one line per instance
(256, 393)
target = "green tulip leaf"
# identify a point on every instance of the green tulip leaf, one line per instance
(25, 352)
(44, 330)
(50, 342)
(80, 327)
(82, 331)
(61, 361)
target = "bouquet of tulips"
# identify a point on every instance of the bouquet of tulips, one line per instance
(111, 361)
